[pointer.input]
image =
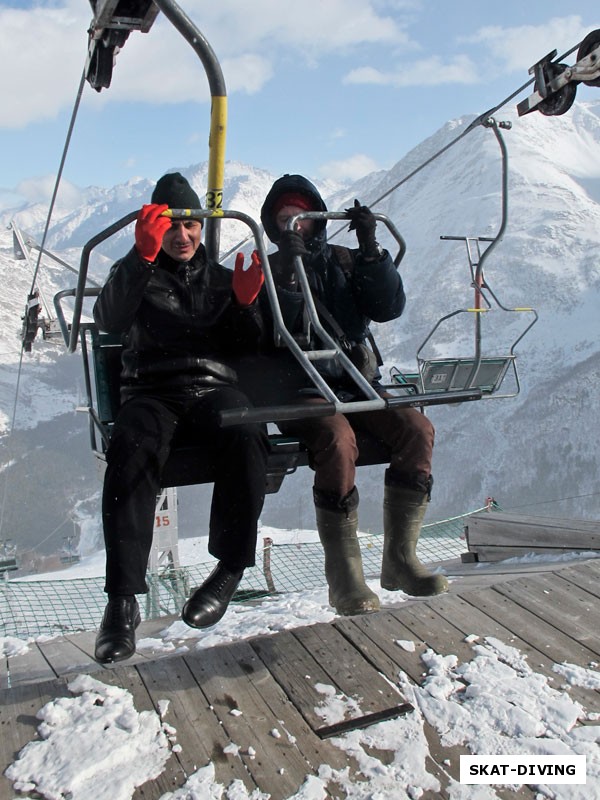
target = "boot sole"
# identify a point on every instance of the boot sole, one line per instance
(392, 587)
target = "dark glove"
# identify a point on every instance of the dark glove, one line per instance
(362, 220)
(246, 284)
(150, 228)
(291, 244)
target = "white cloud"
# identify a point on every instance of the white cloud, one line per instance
(43, 50)
(40, 190)
(514, 48)
(425, 72)
(520, 47)
(353, 168)
(312, 25)
(42, 54)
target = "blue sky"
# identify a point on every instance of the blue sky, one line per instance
(328, 88)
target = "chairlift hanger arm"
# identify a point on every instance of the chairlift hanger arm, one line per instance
(218, 118)
(141, 15)
(466, 372)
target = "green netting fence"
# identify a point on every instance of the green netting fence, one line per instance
(30, 608)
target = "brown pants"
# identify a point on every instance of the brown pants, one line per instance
(331, 441)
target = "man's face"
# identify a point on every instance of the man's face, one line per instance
(305, 227)
(182, 239)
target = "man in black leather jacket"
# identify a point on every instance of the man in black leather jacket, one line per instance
(354, 287)
(182, 319)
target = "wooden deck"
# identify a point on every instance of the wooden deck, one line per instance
(548, 611)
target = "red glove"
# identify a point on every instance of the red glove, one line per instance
(246, 284)
(150, 228)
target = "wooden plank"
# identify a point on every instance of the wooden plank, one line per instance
(64, 656)
(527, 520)
(385, 642)
(199, 732)
(541, 634)
(347, 670)
(376, 636)
(571, 610)
(585, 575)
(230, 677)
(172, 775)
(18, 722)
(279, 704)
(435, 631)
(4, 679)
(295, 670)
(385, 630)
(488, 553)
(85, 642)
(445, 639)
(473, 621)
(30, 667)
(504, 530)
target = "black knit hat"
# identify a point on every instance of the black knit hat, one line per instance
(174, 190)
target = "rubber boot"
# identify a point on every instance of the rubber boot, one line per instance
(348, 592)
(403, 512)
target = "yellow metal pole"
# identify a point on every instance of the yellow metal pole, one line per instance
(216, 146)
(218, 118)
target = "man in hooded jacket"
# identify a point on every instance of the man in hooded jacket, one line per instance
(370, 289)
(182, 319)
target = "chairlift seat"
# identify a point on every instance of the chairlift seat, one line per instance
(451, 374)
(447, 374)
(187, 465)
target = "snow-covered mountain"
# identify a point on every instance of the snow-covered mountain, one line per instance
(537, 451)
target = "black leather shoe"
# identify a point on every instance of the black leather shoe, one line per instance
(116, 637)
(207, 604)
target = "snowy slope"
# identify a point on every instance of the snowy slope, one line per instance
(532, 451)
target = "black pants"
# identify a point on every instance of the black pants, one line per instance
(145, 430)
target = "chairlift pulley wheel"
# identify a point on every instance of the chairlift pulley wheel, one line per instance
(559, 102)
(99, 73)
(586, 47)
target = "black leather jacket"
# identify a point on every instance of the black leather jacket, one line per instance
(180, 324)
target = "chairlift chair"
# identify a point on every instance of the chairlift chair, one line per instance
(101, 353)
(438, 376)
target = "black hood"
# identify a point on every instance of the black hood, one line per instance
(295, 184)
